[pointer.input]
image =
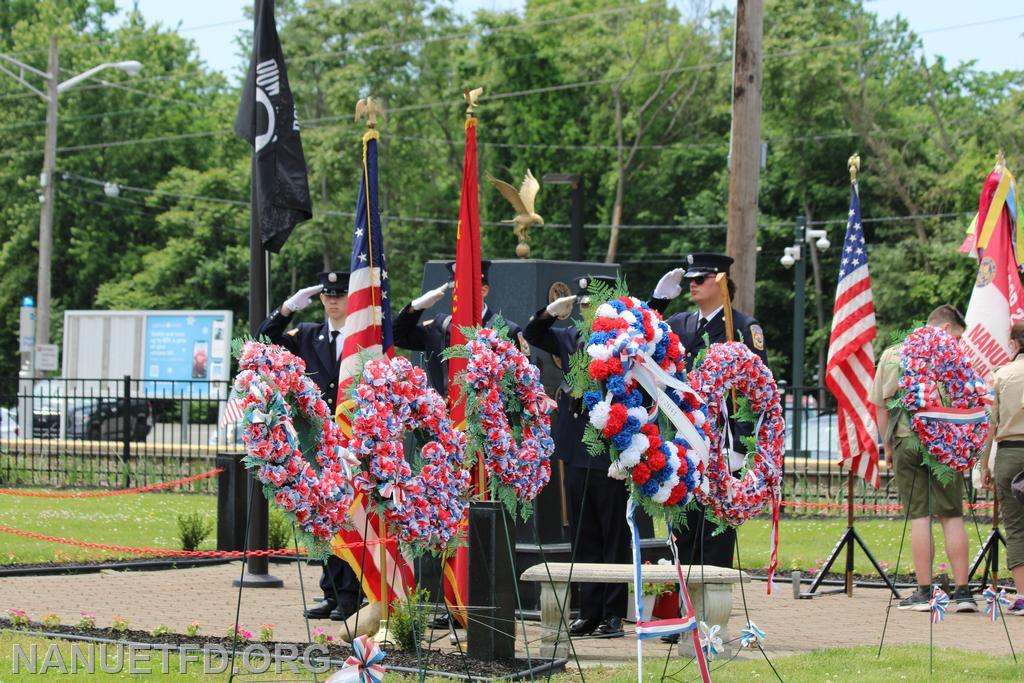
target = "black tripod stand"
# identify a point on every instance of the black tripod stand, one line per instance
(847, 540)
(989, 551)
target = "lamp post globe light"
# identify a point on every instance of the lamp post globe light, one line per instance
(20, 72)
(794, 256)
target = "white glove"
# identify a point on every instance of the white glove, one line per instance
(300, 299)
(669, 285)
(561, 308)
(425, 301)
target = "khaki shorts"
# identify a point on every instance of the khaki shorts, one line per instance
(1009, 462)
(912, 478)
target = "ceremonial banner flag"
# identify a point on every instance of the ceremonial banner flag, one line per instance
(367, 335)
(467, 309)
(997, 300)
(850, 371)
(268, 121)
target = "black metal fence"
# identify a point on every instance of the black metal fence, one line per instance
(111, 433)
(117, 433)
(812, 472)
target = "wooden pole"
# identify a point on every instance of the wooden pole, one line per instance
(745, 149)
(730, 329)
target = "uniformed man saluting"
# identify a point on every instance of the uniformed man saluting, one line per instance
(434, 336)
(319, 346)
(696, 542)
(597, 503)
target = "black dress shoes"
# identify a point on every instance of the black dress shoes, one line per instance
(611, 628)
(342, 612)
(583, 627)
(671, 639)
(322, 609)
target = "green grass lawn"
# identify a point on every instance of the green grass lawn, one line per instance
(151, 520)
(909, 663)
(136, 520)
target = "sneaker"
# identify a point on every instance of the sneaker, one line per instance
(963, 600)
(1017, 608)
(918, 602)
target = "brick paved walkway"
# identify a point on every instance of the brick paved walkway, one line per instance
(178, 597)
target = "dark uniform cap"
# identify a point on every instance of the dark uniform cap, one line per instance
(707, 263)
(335, 282)
(583, 283)
(484, 267)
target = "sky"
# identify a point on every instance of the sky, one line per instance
(956, 29)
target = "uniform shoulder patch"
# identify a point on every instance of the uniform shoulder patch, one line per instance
(292, 332)
(757, 337)
(524, 345)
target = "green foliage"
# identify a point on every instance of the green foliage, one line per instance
(279, 529)
(193, 528)
(409, 619)
(927, 133)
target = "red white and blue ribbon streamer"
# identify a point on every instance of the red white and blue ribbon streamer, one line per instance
(364, 666)
(645, 630)
(939, 604)
(993, 601)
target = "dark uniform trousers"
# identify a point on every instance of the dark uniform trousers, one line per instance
(697, 543)
(312, 343)
(432, 338)
(597, 503)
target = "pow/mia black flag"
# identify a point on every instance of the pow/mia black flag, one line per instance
(267, 119)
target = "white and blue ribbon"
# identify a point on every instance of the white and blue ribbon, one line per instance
(751, 635)
(710, 641)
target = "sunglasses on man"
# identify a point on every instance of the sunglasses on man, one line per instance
(698, 279)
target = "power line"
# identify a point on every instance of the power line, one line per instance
(562, 226)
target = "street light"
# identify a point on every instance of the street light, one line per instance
(794, 256)
(54, 88)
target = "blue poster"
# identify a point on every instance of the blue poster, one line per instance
(185, 352)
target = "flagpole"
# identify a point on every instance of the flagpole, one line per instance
(853, 164)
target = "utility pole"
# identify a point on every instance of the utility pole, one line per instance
(745, 150)
(47, 181)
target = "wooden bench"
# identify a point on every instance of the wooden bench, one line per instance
(710, 590)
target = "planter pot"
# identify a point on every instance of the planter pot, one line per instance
(648, 600)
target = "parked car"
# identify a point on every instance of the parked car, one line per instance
(104, 419)
(9, 423)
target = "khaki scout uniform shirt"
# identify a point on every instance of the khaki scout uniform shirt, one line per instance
(1008, 405)
(887, 383)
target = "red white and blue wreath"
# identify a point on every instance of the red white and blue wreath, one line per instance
(499, 380)
(947, 399)
(629, 349)
(728, 366)
(423, 509)
(287, 430)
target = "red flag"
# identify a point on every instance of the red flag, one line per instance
(467, 309)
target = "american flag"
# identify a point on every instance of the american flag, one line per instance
(368, 320)
(367, 336)
(851, 357)
(232, 412)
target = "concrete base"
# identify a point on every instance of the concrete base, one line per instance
(258, 581)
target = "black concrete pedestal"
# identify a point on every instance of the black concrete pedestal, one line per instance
(491, 632)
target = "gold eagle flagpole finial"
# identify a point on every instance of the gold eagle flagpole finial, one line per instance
(370, 108)
(1000, 160)
(853, 163)
(471, 99)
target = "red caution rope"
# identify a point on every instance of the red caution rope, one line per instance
(864, 508)
(118, 492)
(182, 553)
